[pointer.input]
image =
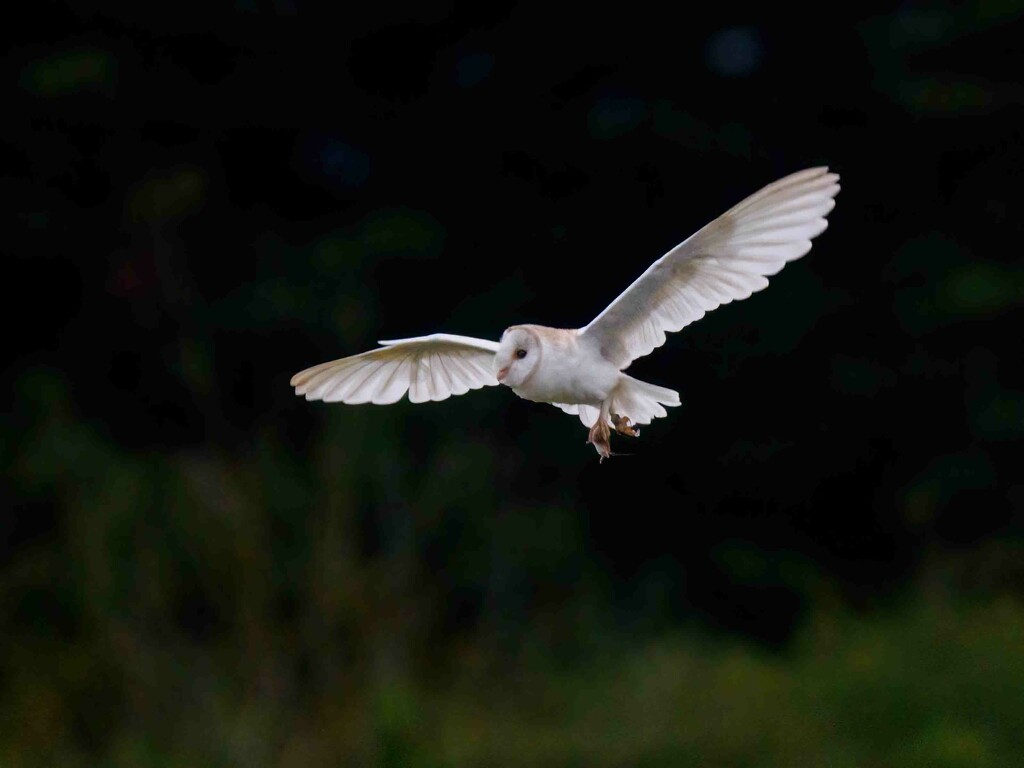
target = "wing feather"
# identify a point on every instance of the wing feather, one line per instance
(391, 391)
(727, 260)
(461, 368)
(374, 384)
(427, 368)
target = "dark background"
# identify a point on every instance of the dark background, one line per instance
(817, 559)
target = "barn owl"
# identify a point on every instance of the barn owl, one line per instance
(582, 370)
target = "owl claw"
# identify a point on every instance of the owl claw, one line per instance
(598, 437)
(624, 427)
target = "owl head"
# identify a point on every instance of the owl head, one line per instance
(517, 357)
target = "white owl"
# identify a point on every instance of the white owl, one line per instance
(582, 371)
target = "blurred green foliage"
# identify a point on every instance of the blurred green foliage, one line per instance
(212, 609)
(168, 195)
(70, 71)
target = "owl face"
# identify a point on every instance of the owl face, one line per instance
(517, 357)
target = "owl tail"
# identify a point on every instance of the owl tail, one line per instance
(639, 401)
(633, 399)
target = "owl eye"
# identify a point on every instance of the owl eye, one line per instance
(520, 354)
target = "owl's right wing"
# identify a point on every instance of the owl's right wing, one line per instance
(431, 367)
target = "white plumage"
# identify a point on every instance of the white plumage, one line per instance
(730, 258)
(581, 371)
(428, 368)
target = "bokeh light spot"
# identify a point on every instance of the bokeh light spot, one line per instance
(473, 68)
(734, 52)
(611, 117)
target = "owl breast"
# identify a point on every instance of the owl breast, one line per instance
(570, 374)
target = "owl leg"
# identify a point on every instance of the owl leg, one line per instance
(600, 434)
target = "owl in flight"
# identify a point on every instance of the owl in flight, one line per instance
(582, 371)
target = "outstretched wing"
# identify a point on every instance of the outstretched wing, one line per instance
(730, 258)
(431, 367)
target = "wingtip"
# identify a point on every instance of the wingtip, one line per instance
(820, 171)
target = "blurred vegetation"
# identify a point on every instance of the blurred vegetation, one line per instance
(210, 609)
(818, 559)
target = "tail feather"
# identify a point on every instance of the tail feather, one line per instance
(640, 401)
(637, 400)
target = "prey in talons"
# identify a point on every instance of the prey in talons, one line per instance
(600, 434)
(623, 426)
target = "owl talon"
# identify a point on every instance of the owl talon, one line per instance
(624, 427)
(599, 438)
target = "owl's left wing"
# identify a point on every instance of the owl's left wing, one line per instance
(431, 367)
(729, 259)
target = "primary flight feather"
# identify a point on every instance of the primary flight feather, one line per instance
(582, 370)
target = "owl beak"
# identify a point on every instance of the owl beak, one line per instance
(503, 373)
